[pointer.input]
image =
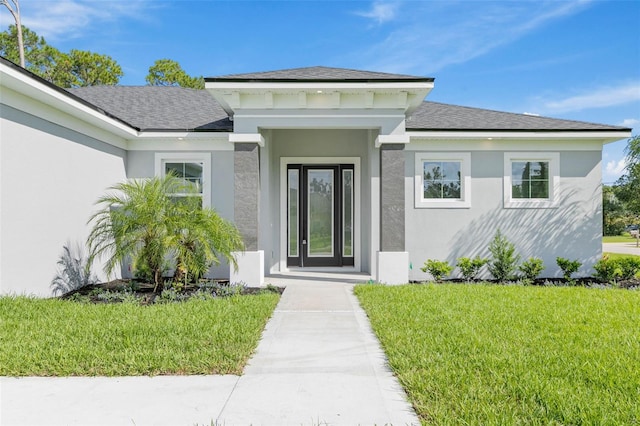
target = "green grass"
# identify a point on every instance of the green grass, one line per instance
(55, 337)
(618, 239)
(485, 354)
(618, 255)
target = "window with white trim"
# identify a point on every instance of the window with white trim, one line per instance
(443, 180)
(531, 179)
(193, 168)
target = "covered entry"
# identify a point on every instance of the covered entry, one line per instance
(315, 137)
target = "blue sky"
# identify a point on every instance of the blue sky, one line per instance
(569, 59)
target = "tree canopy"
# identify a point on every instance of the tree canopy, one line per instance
(621, 202)
(629, 183)
(167, 72)
(78, 68)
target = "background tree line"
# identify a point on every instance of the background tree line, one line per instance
(621, 201)
(78, 68)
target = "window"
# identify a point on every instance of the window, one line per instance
(194, 168)
(443, 180)
(531, 180)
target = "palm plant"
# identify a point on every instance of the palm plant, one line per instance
(135, 222)
(156, 223)
(202, 237)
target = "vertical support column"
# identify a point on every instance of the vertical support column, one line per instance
(246, 182)
(393, 260)
(392, 198)
(246, 166)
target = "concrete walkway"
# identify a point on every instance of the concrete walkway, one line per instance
(318, 363)
(622, 248)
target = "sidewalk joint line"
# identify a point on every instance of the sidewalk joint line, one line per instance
(235, 385)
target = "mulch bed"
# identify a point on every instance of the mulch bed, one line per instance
(144, 290)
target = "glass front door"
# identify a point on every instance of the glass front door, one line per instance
(320, 215)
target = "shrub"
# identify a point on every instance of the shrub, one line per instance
(568, 267)
(629, 267)
(531, 268)
(471, 267)
(610, 270)
(437, 268)
(504, 259)
(171, 295)
(607, 269)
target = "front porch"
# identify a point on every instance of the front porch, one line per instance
(319, 171)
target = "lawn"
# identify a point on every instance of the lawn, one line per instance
(488, 354)
(618, 255)
(53, 337)
(618, 239)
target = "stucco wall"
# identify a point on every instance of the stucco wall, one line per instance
(572, 230)
(318, 143)
(50, 179)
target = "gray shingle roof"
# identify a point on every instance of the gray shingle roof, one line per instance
(438, 116)
(319, 74)
(179, 109)
(175, 108)
(159, 108)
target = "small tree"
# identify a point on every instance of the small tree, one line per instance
(504, 259)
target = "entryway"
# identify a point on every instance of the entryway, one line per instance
(320, 215)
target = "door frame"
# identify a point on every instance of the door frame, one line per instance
(357, 247)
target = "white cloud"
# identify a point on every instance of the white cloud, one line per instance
(438, 34)
(65, 19)
(380, 12)
(613, 170)
(630, 122)
(616, 167)
(596, 98)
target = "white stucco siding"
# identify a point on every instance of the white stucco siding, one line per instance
(572, 230)
(50, 179)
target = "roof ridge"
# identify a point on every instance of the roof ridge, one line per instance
(318, 73)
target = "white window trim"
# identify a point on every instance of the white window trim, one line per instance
(554, 180)
(182, 157)
(465, 180)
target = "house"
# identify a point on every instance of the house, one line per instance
(320, 168)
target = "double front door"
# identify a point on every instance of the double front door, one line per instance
(320, 215)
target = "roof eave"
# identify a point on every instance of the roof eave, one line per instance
(603, 135)
(49, 93)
